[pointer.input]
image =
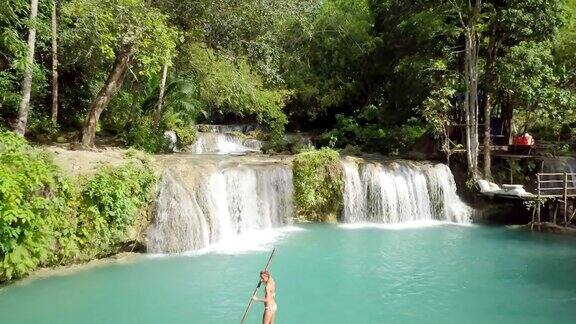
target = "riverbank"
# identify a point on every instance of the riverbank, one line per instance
(90, 206)
(72, 269)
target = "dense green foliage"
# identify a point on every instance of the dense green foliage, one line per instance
(45, 220)
(318, 185)
(32, 199)
(109, 202)
(371, 75)
(359, 134)
(229, 86)
(103, 28)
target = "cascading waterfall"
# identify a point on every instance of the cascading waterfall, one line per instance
(400, 192)
(243, 128)
(205, 200)
(219, 204)
(221, 143)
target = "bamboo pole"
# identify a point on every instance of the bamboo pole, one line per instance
(257, 287)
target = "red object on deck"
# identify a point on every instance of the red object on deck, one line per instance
(523, 140)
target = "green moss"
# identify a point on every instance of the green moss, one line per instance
(186, 136)
(318, 185)
(239, 135)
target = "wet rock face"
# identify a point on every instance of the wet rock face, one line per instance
(209, 199)
(171, 136)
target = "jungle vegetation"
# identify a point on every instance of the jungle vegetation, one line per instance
(371, 74)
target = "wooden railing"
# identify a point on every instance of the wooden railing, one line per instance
(560, 186)
(556, 185)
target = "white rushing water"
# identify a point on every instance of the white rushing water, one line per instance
(236, 203)
(220, 205)
(223, 143)
(401, 192)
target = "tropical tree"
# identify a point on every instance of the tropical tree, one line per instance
(123, 32)
(20, 126)
(54, 61)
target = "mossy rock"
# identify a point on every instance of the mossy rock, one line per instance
(204, 128)
(186, 136)
(318, 185)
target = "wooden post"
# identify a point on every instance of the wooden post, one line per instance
(511, 174)
(565, 199)
(533, 218)
(538, 202)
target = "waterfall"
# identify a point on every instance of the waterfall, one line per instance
(226, 200)
(242, 128)
(223, 143)
(219, 204)
(399, 192)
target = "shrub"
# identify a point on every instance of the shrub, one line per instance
(108, 203)
(318, 185)
(117, 114)
(186, 136)
(143, 136)
(182, 125)
(373, 137)
(41, 125)
(45, 221)
(32, 198)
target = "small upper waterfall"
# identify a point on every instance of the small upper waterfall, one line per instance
(224, 139)
(399, 192)
(223, 143)
(219, 202)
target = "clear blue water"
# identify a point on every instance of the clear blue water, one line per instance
(327, 274)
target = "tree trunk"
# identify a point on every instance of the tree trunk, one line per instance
(158, 113)
(471, 95)
(506, 115)
(113, 83)
(471, 104)
(467, 108)
(492, 53)
(20, 127)
(487, 131)
(54, 63)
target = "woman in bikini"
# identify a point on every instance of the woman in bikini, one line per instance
(269, 299)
